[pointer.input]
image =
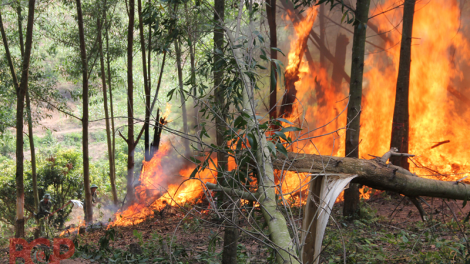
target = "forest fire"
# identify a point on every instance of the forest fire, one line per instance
(436, 114)
(163, 181)
(437, 133)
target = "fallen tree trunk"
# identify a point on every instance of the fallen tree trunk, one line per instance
(375, 174)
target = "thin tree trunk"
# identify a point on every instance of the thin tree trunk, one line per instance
(86, 160)
(340, 60)
(271, 14)
(21, 90)
(401, 116)
(30, 120)
(146, 85)
(130, 104)
(33, 154)
(351, 195)
(183, 101)
(106, 113)
(113, 150)
(231, 234)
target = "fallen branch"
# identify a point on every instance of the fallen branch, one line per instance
(393, 152)
(233, 192)
(374, 174)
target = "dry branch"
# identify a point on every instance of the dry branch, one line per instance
(374, 174)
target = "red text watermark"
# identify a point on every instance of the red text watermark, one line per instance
(25, 252)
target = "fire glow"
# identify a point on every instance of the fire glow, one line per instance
(436, 113)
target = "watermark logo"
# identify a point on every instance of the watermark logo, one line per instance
(25, 252)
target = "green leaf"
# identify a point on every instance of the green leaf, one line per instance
(195, 160)
(193, 174)
(281, 135)
(290, 129)
(285, 121)
(344, 16)
(272, 148)
(277, 49)
(170, 94)
(240, 122)
(252, 140)
(281, 149)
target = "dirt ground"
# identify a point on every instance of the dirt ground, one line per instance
(395, 212)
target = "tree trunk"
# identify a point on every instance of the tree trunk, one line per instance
(113, 150)
(30, 120)
(146, 85)
(86, 160)
(130, 104)
(106, 113)
(340, 60)
(375, 174)
(33, 154)
(277, 224)
(271, 14)
(21, 90)
(231, 234)
(401, 117)
(183, 101)
(351, 195)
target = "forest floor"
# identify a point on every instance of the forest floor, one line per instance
(390, 231)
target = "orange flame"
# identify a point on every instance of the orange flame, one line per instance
(436, 112)
(156, 191)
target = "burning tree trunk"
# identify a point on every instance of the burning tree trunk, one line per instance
(271, 14)
(295, 58)
(351, 195)
(401, 117)
(86, 161)
(340, 59)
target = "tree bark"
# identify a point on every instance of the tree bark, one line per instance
(277, 224)
(33, 154)
(374, 174)
(130, 104)
(183, 101)
(340, 60)
(21, 90)
(113, 150)
(351, 195)
(85, 118)
(146, 84)
(30, 120)
(401, 116)
(106, 112)
(271, 14)
(231, 234)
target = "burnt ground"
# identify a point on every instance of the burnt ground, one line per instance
(390, 231)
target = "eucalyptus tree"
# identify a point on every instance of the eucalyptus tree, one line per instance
(351, 195)
(21, 90)
(401, 116)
